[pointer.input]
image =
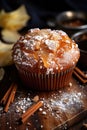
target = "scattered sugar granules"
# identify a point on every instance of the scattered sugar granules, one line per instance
(22, 104)
(66, 102)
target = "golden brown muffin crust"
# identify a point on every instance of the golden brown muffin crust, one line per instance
(45, 51)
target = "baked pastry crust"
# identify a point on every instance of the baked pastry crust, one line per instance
(45, 51)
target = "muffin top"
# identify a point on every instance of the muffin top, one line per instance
(45, 51)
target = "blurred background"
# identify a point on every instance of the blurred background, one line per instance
(44, 12)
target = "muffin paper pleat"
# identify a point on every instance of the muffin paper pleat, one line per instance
(45, 82)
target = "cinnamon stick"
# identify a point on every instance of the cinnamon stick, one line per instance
(79, 77)
(31, 111)
(5, 97)
(14, 92)
(10, 98)
(80, 72)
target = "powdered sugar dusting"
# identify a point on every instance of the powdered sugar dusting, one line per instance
(39, 44)
(62, 33)
(66, 102)
(37, 37)
(52, 45)
(22, 104)
(55, 106)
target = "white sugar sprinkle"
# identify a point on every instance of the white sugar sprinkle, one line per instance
(44, 113)
(40, 109)
(41, 126)
(37, 37)
(67, 102)
(70, 84)
(22, 104)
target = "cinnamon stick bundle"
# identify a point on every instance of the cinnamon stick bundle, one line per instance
(8, 98)
(80, 75)
(80, 72)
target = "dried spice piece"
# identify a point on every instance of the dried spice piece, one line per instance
(31, 111)
(80, 72)
(36, 98)
(80, 75)
(8, 98)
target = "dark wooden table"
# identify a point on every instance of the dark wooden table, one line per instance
(63, 109)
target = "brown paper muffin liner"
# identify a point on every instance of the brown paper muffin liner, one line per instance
(45, 82)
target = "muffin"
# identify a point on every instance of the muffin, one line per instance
(45, 59)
